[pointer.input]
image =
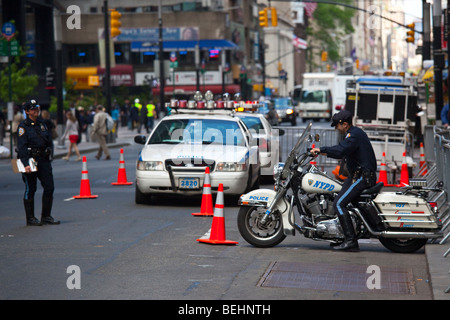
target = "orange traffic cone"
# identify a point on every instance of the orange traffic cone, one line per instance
(404, 175)
(217, 232)
(122, 174)
(422, 164)
(383, 172)
(206, 208)
(85, 187)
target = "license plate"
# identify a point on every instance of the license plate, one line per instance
(189, 183)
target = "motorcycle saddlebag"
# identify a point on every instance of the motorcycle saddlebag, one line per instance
(370, 214)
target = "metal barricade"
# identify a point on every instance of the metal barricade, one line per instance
(440, 171)
(445, 255)
(328, 137)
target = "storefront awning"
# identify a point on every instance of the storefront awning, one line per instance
(183, 45)
(190, 90)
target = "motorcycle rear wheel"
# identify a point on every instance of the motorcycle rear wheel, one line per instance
(262, 236)
(403, 245)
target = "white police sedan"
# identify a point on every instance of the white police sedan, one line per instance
(177, 152)
(266, 137)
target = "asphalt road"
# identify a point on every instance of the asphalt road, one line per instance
(112, 248)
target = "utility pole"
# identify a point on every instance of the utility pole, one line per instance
(162, 80)
(107, 78)
(59, 78)
(448, 41)
(426, 49)
(439, 59)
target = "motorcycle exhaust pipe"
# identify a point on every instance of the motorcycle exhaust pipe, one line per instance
(397, 234)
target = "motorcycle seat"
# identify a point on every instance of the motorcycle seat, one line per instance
(373, 190)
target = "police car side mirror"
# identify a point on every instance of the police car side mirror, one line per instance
(140, 139)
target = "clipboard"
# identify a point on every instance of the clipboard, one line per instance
(17, 165)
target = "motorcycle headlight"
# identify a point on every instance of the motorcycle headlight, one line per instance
(150, 165)
(231, 166)
(277, 169)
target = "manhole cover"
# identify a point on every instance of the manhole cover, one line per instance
(346, 277)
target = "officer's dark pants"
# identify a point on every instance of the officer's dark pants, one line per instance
(45, 175)
(349, 192)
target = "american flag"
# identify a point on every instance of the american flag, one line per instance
(298, 42)
(310, 7)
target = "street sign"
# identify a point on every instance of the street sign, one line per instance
(4, 47)
(173, 56)
(174, 64)
(8, 30)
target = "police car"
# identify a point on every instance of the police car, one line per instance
(197, 134)
(267, 138)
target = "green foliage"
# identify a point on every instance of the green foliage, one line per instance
(23, 85)
(329, 25)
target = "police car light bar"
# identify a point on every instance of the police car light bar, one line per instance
(248, 106)
(201, 105)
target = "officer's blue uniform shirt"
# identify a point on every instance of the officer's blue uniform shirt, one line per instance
(355, 148)
(32, 135)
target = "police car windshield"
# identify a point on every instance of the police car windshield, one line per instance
(253, 123)
(198, 131)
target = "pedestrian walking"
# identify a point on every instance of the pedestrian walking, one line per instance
(34, 141)
(445, 115)
(134, 114)
(152, 114)
(100, 131)
(72, 131)
(17, 119)
(2, 126)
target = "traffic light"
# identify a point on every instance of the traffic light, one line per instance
(410, 37)
(324, 56)
(263, 18)
(273, 17)
(115, 23)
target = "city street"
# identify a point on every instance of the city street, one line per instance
(120, 250)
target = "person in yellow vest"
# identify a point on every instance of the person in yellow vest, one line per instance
(135, 113)
(147, 115)
(151, 115)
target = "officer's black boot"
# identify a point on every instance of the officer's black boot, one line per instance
(46, 218)
(29, 212)
(350, 243)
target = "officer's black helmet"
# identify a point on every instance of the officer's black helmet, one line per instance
(30, 105)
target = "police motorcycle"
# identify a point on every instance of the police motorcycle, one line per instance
(403, 221)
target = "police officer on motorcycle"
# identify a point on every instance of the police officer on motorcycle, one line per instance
(35, 141)
(357, 152)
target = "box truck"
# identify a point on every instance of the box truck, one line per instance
(322, 95)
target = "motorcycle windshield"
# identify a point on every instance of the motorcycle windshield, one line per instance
(301, 143)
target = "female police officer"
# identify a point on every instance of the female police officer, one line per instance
(35, 141)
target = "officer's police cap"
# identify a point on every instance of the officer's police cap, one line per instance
(340, 117)
(30, 105)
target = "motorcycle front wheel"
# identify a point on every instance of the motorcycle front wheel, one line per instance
(257, 234)
(403, 245)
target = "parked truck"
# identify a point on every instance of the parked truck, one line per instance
(386, 107)
(322, 95)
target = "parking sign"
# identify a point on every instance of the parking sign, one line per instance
(8, 30)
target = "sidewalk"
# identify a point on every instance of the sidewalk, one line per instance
(124, 137)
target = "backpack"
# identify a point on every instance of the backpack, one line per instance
(109, 122)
